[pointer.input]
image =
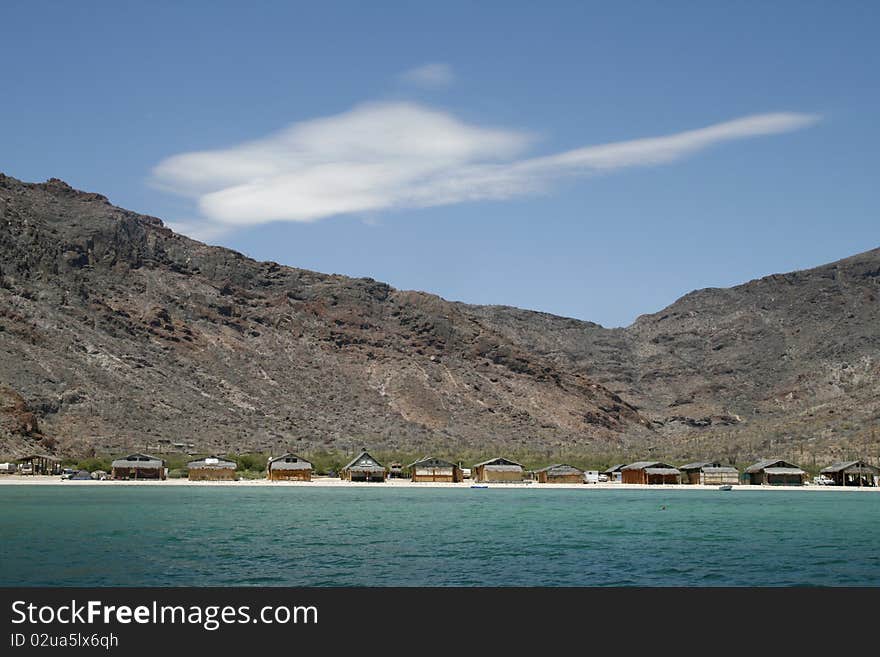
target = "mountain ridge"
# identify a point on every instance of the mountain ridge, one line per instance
(222, 352)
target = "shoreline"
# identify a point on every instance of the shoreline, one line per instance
(328, 482)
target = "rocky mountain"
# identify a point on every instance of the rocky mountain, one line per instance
(116, 333)
(789, 363)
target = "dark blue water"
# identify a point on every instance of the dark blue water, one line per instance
(292, 536)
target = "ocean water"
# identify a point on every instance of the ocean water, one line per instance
(299, 536)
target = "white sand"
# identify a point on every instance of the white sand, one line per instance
(319, 482)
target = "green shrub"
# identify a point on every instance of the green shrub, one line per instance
(94, 463)
(250, 462)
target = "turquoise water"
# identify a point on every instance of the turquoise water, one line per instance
(297, 536)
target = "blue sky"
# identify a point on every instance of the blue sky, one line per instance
(448, 146)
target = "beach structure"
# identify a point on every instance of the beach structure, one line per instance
(650, 472)
(561, 473)
(138, 466)
(721, 475)
(363, 467)
(708, 473)
(211, 468)
(395, 470)
(614, 472)
(852, 473)
(774, 472)
(498, 470)
(39, 464)
(288, 467)
(433, 470)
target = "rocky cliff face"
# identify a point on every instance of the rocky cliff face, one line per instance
(117, 333)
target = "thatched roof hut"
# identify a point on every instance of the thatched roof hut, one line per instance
(138, 466)
(40, 464)
(650, 472)
(289, 467)
(775, 472)
(212, 468)
(498, 470)
(708, 473)
(363, 467)
(430, 469)
(852, 473)
(561, 473)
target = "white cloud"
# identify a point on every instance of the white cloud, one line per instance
(381, 156)
(432, 76)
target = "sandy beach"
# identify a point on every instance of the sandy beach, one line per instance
(332, 482)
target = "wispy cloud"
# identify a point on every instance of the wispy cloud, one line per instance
(381, 156)
(431, 76)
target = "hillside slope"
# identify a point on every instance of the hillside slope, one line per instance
(117, 333)
(787, 363)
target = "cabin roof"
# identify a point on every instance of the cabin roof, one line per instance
(662, 471)
(699, 465)
(851, 467)
(211, 463)
(719, 469)
(768, 463)
(289, 462)
(500, 461)
(364, 462)
(432, 462)
(642, 465)
(614, 468)
(139, 461)
(784, 471)
(561, 469)
(34, 457)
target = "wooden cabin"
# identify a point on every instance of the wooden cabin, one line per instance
(138, 466)
(433, 470)
(709, 473)
(498, 470)
(363, 467)
(40, 464)
(650, 472)
(395, 470)
(212, 468)
(852, 473)
(561, 473)
(288, 467)
(722, 475)
(775, 472)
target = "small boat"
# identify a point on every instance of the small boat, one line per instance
(479, 486)
(725, 487)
